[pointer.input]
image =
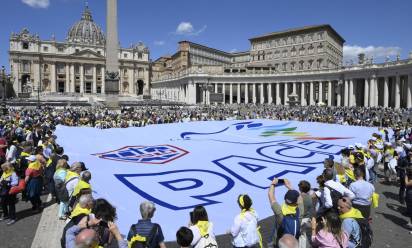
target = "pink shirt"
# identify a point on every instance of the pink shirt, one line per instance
(325, 239)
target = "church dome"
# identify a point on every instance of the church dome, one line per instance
(86, 31)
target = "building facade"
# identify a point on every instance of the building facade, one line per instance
(315, 76)
(75, 66)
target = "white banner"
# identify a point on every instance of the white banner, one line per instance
(180, 166)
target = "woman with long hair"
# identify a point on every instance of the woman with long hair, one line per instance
(59, 177)
(327, 231)
(200, 225)
(244, 230)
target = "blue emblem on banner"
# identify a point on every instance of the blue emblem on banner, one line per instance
(160, 154)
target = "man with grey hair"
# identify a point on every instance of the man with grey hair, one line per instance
(150, 234)
(288, 241)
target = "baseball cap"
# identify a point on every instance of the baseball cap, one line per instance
(291, 197)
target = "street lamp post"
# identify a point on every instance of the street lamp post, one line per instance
(3, 82)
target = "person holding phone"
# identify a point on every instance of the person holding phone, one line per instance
(288, 215)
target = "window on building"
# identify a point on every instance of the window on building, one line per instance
(45, 67)
(99, 52)
(77, 50)
(302, 51)
(125, 55)
(293, 52)
(301, 64)
(285, 53)
(320, 62)
(310, 64)
(284, 66)
(60, 49)
(25, 45)
(320, 48)
(45, 49)
(125, 72)
(310, 49)
(292, 66)
(139, 55)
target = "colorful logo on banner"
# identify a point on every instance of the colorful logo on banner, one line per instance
(160, 154)
(266, 131)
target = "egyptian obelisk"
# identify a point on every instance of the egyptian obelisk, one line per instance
(112, 49)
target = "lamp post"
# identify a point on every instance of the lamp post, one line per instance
(3, 82)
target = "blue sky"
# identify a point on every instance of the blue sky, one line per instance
(378, 27)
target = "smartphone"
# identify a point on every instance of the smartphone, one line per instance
(281, 181)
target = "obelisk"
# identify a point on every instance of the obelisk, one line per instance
(112, 49)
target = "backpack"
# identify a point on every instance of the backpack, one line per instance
(290, 225)
(138, 241)
(366, 233)
(61, 190)
(74, 221)
(206, 241)
(335, 195)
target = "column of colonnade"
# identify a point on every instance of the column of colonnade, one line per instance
(72, 77)
(369, 91)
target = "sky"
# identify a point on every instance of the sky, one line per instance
(380, 28)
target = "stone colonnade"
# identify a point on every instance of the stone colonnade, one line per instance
(388, 91)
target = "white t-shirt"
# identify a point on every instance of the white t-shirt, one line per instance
(244, 229)
(197, 236)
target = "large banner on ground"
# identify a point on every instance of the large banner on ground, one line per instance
(179, 166)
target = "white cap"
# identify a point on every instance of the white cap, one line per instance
(31, 158)
(373, 138)
(402, 140)
(379, 146)
(351, 147)
(358, 145)
(408, 146)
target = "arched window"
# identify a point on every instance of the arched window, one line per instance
(301, 64)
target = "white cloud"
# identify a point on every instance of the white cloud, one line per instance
(37, 3)
(377, 52)
(233, 50)
(186, 28)
(159, 42)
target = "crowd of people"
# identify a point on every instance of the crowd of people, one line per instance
(334, 213)
(148, 115)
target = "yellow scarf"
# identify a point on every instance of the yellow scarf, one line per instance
(203, 227)
(70, 174)
(7, 174)
(353, 213)
(81, 185)
(35, 165)
(79, 210)
(287, 209)
(342, 178)
(24, 154)
(350, 174)
(49, 161)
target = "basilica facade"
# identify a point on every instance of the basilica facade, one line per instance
(75, 66)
